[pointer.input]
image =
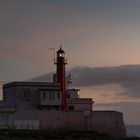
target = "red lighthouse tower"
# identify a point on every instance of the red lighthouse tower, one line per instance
(61, 78)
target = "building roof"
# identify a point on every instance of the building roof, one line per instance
(22, 83)
(6, 110)
(107, 112)
(81, 101)
(60, 51)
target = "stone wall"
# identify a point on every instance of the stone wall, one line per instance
(53, 119)
(107, 122)
(110, 122)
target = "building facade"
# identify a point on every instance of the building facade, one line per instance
(51, 105)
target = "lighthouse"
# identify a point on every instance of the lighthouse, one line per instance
(61, 76)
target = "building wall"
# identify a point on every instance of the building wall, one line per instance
(28, 115)
(14, 96)
(81, 104)
(49, 120)
(30, 103)
(110, 122)
(81, 107)
(27, 96)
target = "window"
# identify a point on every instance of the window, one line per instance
(61, 55)
(26, 94)
(51, 95)
(4, 120)
(56, 107)
(44, 95)
(68, 96)
(58, 95)
(71, 108)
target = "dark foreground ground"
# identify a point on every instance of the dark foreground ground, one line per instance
(56, 135)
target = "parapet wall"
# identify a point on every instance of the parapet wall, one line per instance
(109, 122)
(106, 122)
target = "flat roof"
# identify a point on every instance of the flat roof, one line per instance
(108, 111)
(28, 83)
(81, 100)
(6, 110)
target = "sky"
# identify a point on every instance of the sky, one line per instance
(101, 39)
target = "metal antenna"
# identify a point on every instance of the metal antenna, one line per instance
(60, 45)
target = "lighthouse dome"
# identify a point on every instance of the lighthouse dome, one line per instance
(60, 51)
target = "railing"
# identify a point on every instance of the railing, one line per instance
(65, 60)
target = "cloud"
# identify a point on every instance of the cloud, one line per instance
(133, 89)
(43, 78)
(120, 104)
(86, 76)
(127, 77)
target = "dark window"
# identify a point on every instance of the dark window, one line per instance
(53, 96)
(50, 96)
(55, 107)
(48, 107)
(44, 95)
(71, 108)
(68, 96)
(4, 120)
(58, 95)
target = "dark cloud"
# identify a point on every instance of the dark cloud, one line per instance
(127, 76)
(85, 76)
(43, 78)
